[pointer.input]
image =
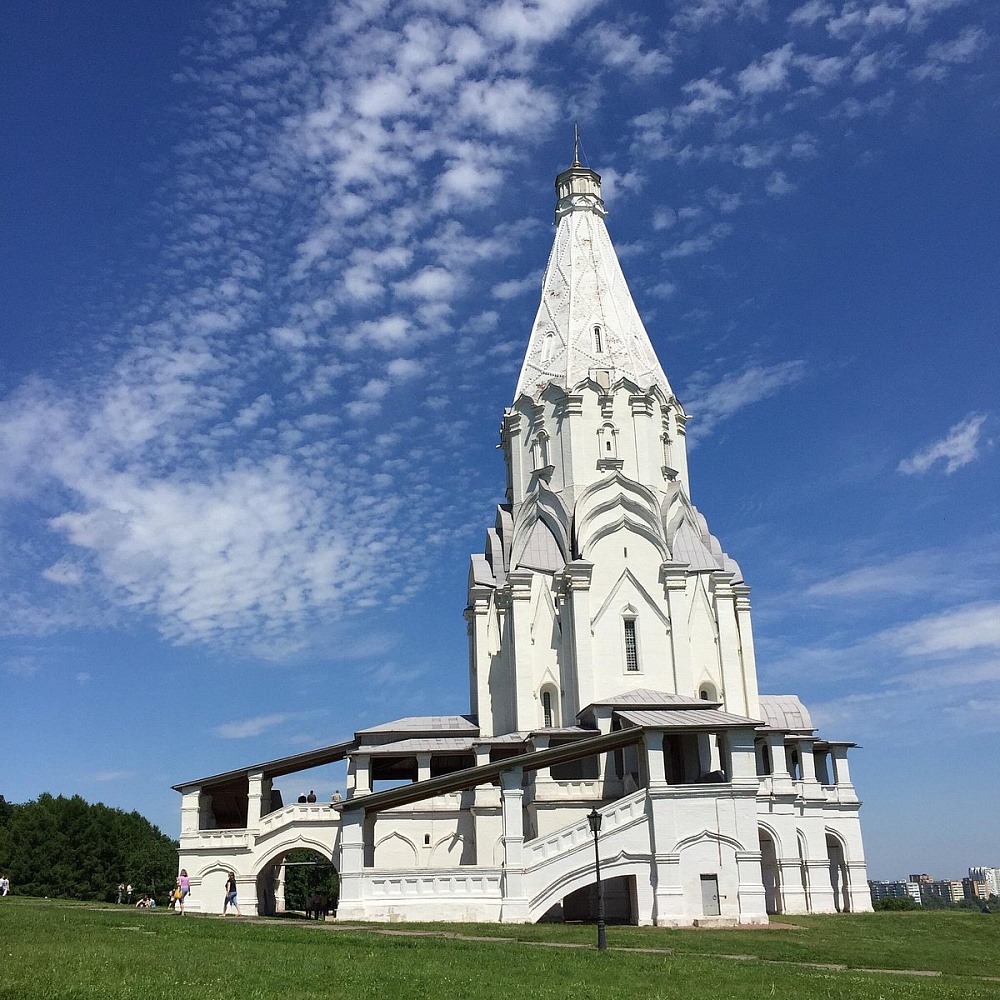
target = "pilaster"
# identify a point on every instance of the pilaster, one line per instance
(675, 580)
(519, 584)
(577, 577)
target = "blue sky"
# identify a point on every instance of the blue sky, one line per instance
(268, 272)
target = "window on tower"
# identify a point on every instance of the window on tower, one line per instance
(547, 709)
(598, 340)
(631, 646)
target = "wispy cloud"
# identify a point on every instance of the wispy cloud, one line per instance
(245, 728)
(959, 447)
(713, 401)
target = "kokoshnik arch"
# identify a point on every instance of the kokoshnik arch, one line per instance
(611, 666)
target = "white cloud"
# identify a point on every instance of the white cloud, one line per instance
(959, 447)
(64, 572)
(970, 43)
(779, 185)
(947, 633)
(769, 73)
(616, 47)
(404, 368)
(245, 728)
(699, 244)
(811, 12)
(516, 287)
(711, 403)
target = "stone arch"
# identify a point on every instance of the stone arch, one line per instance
(396, 851)
(770, 870)
(803, 849)
(840, 872)
(451, 850)
(268, 873)
(583, 876)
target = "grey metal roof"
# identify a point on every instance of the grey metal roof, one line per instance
(705, 718)
(275, 768)
(424, 724)
(504, 739)
(564, 731)
(687, 547)
(785, 713)
(430, 744)
(651, 699)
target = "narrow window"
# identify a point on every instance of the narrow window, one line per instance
(598, 340)
(631, 649)
(548, 347)
(547, 709)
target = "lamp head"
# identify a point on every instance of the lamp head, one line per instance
(594, 819)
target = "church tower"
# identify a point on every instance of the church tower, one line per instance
(600, 576)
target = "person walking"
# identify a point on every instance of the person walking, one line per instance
(128, 893)
(184, 884)
(121, 892)
(230, 899)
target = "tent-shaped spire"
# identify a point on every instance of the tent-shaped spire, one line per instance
(587, 324)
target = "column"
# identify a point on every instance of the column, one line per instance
(477, 616)
(729, 645)
(259, 787)
(350, 864)
(674, 577)
(358, 775)
(525, 711)
(748, 656)
(191, 812)
(423, 766)
(781, 780)
(514, 904)
(577, 578)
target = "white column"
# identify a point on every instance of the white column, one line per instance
(350, 865)
(526, 713)
(674, 576)
(359, 775)
(477, 615)
(423, 766)
(255, 798)
(514, 905)
(748, 656)
(191, 812)
(577, 578)
(729, 645)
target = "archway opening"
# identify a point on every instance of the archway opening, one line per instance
(838, 874)
(580, 906)
(300, 882)
(769, 873)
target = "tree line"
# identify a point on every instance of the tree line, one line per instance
(68, 848)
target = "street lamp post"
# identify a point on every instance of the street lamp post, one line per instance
(594, 819)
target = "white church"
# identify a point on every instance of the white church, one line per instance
(611, 669)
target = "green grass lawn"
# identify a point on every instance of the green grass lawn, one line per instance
(60, 951)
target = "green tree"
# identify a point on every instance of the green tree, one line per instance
(68, 848)
(307, 874)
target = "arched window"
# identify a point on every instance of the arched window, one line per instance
(598, 340)
(540, 451)
(707, 692)
(548, 347)
(608, 439)
(549, 698)
(631, 645)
